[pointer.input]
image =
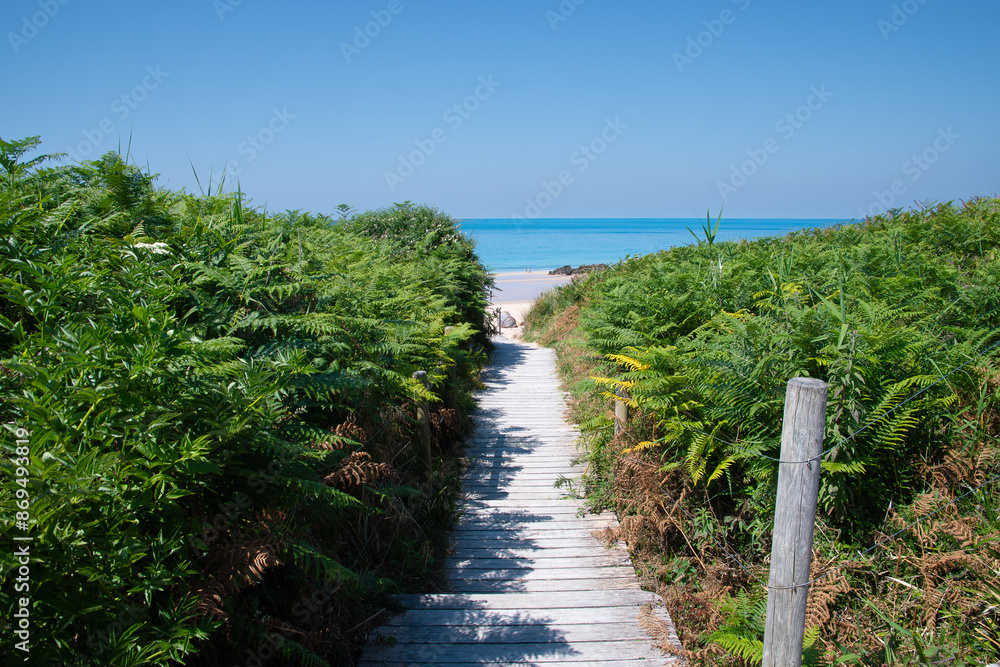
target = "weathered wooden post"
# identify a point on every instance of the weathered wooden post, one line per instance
(794, 520)
(621, 410)
(424, 417)
(452, 389)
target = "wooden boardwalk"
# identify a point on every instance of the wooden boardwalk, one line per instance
(529, 584)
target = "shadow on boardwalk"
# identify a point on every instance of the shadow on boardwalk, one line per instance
(517, 638)
(528, 584)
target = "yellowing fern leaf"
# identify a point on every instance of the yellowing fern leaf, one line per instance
(612, 382)
(633, 365)
(641, 447)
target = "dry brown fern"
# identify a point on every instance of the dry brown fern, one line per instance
(351, 431)
(357, 470)
(656, 500)
(660, 631)
(234, 567)
(955, 468)
(824, 592)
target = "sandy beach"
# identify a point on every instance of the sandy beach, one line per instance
(514, 287)
(516, 292)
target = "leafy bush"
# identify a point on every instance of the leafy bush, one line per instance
(221, 413)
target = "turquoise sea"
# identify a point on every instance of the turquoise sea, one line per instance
(508, 245)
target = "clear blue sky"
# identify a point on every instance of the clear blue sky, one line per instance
(201, 78)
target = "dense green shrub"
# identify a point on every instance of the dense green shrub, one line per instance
(705, 338)
(221, 414)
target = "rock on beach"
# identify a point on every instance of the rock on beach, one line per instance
(583, 268)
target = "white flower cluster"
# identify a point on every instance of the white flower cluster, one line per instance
(158, 248)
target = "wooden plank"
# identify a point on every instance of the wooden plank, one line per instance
(490, 522)
(539, 430)
(487, 518)
(636, 662)
(575, 539)
(530, 451)
(506, 518)
(514, 460)
(542, 652)
(507, 475)
(581, 522)
(534, 519)
(532, 584)
(535, 474)
(601, 518)
(518, 461)
(540, 504)
(528, 473)
(494, 465)
(466, 618)
(538, 544)
(516, 486)
(538, 444)
(544, 491)
(523, 498)
(550, 600)
(515, 573)
(526, 634)
(516, 482)
(532, 552)
(502, 477)
(514, 567)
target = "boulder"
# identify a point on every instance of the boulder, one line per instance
(583, 268)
